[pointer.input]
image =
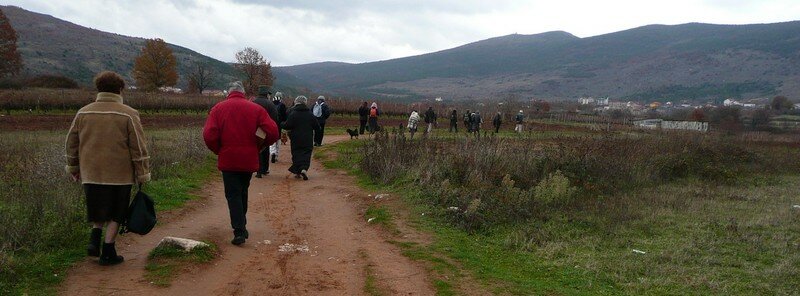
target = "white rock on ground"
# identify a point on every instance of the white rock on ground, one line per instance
(183, 243)
(381, 196)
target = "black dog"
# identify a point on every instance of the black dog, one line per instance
(352, 133)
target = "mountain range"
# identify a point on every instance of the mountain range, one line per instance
(656, 62)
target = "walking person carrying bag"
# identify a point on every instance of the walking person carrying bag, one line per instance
(107, 153)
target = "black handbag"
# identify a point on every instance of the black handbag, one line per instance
(141, 214)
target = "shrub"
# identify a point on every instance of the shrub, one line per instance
(52, 81)
(493, 181)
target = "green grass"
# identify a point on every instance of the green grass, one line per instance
(164, 263)
(174, 191)
(39, 203)
(698, 238)
(371, 281)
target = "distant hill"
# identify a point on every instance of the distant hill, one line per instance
(54, 46)
(657, 62)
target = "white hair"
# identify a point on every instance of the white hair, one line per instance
(321, 98)
(235, 86)
(300, 100)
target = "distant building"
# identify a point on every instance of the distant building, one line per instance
(602, 101)
(586, 101)
(671, 125)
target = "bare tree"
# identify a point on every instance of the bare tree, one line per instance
(254, 68)
(201, 75)
(10, 59)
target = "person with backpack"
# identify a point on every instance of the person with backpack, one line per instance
(453, 122)
(264, 101)
(236, 130)
(373, 118)
(497, 121)
(363, 116)
(520, 120)
(106, 151)
(413, 122)
(321, 112)
(468, 121)
(430, 119)
(278, 102)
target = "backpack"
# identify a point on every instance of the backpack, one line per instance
(373, 112)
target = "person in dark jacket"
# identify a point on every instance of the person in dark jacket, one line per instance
(302, 126)
(264, 101)
(321, 111)
(278, 102)
(453, 121)
(236, 130)
(374, 112)
(476, 122)
(363, 116)
(468, 121)
(497, 121)
(430, 119)
(520, 120)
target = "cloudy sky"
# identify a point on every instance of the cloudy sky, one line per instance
(290, 32)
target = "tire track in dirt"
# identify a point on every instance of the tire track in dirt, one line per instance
(330, 245)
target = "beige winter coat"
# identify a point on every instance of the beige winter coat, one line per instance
(106, 143)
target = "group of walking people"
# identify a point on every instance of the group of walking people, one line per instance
(107, 152)
(473, 121)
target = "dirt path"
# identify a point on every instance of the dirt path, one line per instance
(322, 219)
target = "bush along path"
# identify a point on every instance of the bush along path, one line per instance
(306, 238)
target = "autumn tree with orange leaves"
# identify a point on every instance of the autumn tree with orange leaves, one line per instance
(10, 60)
(156, 66)
(254, 68)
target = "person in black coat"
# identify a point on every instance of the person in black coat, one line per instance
(497, 121)
(302, 125)
(263, 100)
(278, 102)
(454, 121)
(321, 111)
(430, 119)
(363, 116)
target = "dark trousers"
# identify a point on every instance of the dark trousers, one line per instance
(362, 126)
(496, 129)
(318, 136)
(236, 187)
(373, 125)
(453, 126)
(263, 161)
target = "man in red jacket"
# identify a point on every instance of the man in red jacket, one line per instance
(236, 129)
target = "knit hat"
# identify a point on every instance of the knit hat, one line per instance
(300, 100)
(278, 96)
(321, 98)
(263, 90)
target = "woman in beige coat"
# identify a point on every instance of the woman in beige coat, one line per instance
(107, 153)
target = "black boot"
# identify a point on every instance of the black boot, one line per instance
(94, 242)
(274, 158)
(238, 237)
(109, 256)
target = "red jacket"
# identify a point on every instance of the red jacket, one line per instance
(230, 132)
